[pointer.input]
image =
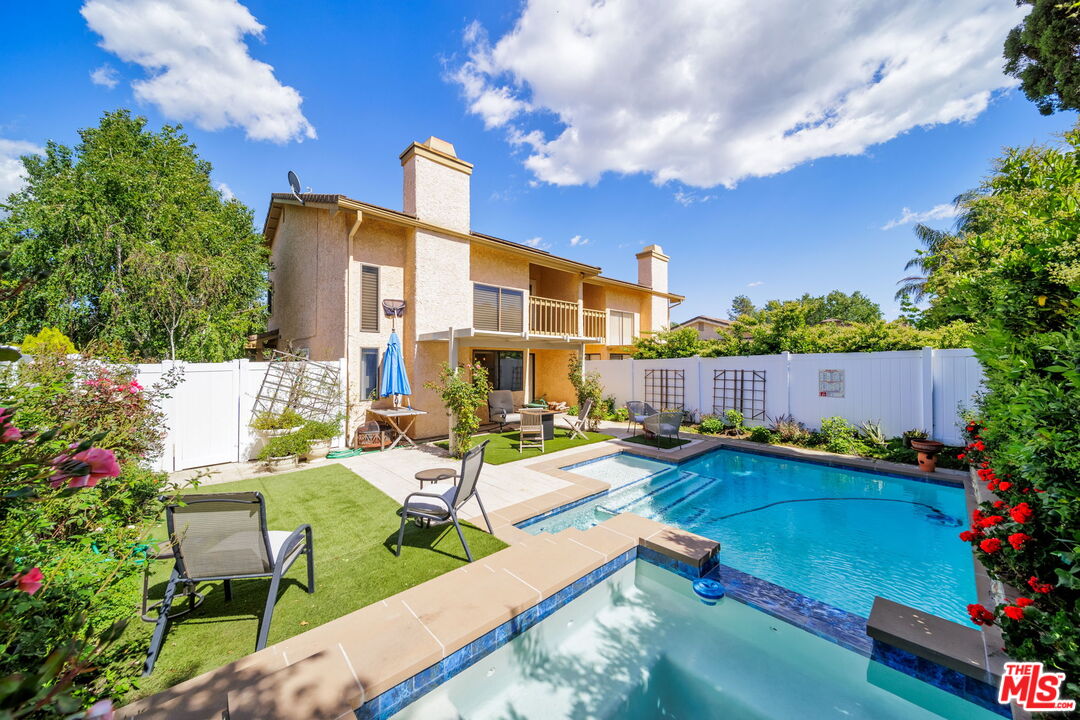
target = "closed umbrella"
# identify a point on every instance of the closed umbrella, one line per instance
(394, 380)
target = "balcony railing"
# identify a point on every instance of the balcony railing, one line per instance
(595, 323)
(563, 318)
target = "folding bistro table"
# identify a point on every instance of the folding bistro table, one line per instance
(406, 416)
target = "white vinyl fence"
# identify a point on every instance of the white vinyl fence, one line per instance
(209, 412)
(902, 390)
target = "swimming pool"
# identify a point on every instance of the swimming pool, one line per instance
(834, 534)
(639, 645)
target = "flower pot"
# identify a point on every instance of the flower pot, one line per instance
(285, 462)
(278, 432)
(319, 449)
(928, 451)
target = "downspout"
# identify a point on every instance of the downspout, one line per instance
(349, 323)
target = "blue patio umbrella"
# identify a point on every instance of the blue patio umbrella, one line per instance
(394, 380)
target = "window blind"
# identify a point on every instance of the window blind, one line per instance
(369, 298)
(485, 307)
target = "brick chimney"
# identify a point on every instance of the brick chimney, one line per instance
(652, 268)
(436, 184)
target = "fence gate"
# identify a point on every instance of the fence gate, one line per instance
(742, 390)
(665, 389)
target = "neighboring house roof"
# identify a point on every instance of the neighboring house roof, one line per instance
(718, 322)
(334, 201)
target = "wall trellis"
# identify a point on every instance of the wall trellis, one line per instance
(665, 389)
(742, 390)
(310, 388)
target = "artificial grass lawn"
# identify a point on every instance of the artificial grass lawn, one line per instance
(665, 443)
(355, 529)
(503, 447)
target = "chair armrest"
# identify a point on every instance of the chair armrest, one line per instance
(298, 535)
(425, 495)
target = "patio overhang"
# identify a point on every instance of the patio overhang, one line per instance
(475, 336)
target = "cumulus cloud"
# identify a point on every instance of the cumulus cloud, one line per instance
(226, 192)
(11, 169)
(755, 283)
(538, 243)
(578, 240)
(105, 75)
(709, 93)
(198, 64)
(943, 211)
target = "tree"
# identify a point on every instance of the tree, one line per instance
(123, 239)
(837, 305)
(741, 306)
(668, 343)
(1042, 53)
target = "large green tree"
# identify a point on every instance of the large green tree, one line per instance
(124, 239)
(1044, 53)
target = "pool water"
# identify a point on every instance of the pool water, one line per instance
(833, 534)
(640, 646)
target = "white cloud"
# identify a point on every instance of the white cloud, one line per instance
(688, 198)
(105, 75)
(943, 211)
(755, 283)
(537, 242)
(198, 64)
(11, 168)
(709, 93)
(578, 240)
(226, 191)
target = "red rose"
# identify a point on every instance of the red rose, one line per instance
(1016, 613)
(1024, 602)
(961, 456)
(970, 535)
(1039, 587)
(980, 445)
(1004, 485)
(30, 581)
(990, 545)
(999, 504)
(990, 521)
(976, 515)
(992, 486)
(1022, 513)
(1017, 540)
(980, 615)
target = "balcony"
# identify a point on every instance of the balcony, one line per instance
(562, 318)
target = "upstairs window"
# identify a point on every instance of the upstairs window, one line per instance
(620, 328)
(369, 298)
(498, 309)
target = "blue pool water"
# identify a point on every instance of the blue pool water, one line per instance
(639, 646)
(837, 535)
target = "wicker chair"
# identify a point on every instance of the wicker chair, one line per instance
(501, 408)
(661, 425)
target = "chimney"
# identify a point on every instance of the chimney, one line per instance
(436, 184)
(652, 267)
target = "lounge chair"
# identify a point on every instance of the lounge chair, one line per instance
(531, 431)
(446, 505)
(637, 412)
(223, 536)
(661, 425)
(501, 408)
(581, 424)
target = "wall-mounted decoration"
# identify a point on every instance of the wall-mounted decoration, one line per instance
(831, 383)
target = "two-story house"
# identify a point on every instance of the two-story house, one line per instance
(519, 311)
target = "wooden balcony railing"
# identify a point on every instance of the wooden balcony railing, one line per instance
(595, 323)
(553, 317)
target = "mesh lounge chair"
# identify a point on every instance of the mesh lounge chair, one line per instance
(638, 411)
(501, 408)
(223, 536)
(661, 425)
(531, 432)
(446, 506)
(579, 426)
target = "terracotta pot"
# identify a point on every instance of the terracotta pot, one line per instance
(928, 451)
(285, 462)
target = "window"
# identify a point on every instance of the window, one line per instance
(620, 328)
(369, 298)
(498, 309)
(592, 356)
(369, 373)
(504, 367)
(619, 356)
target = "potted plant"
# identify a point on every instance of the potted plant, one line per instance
(928, 451)
(319, 434)
(283, 451)
(270, 424)
(916, 434)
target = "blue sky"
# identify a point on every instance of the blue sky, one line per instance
(764, 164)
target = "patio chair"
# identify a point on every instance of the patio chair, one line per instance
(501, 408)
(637, 411)
(531, 432)
(446, 505)
(581, 424)
(224, 537)
(661, 425)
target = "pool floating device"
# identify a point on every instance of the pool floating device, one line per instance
(709, 591)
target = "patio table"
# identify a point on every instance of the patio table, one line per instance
(407, 416)
(434, 475)
(547, 420)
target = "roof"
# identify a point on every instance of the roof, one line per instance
(706, 319)
(328, 201)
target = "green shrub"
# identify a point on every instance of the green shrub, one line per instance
(711, 425)
(283, 445)
(870, 432)
(838, 436)
(321, 429)
(463, 390)
(587, 386)
(733, 422)
(762, 434)
(50, 341)
(789, 430)
(287, 419)
(620, 414)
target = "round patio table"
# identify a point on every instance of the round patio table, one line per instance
(434, 475)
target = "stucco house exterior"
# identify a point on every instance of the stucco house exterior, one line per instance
(708, 328)
(471, 297)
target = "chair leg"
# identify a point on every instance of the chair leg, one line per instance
(461, 536)
(162, 621)
(400, 535)
(227, 585)
(268, 611)
(483, 512)
(310, 551)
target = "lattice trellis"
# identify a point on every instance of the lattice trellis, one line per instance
(312, 389)
(665, 389)
(742, 390)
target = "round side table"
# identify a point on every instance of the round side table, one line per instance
(434, 475)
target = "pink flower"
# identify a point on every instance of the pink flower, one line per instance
(134, 386)
(8, 432)
(84, 469)
(30, 581)
(101, 710)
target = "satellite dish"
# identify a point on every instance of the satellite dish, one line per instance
(294, 185)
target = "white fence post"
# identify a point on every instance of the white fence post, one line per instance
(239, 375)
(926, 390)
(787, 382)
